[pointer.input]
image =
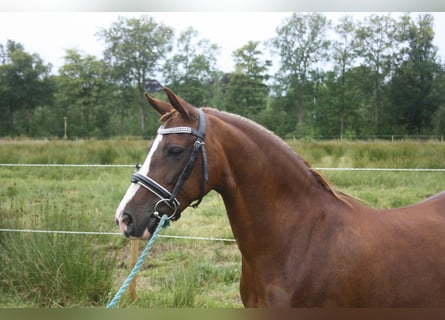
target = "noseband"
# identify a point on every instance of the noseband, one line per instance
(165, 196)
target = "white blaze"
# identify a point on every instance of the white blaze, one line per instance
(134, 187)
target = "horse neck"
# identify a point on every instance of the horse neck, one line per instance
(266, 187)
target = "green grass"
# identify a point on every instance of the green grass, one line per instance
(79, 151)
(72, 270)
(51, 269)
(382, 154)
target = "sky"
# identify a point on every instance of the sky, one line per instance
(50, 34)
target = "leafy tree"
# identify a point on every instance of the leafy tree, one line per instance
(24, 85)
(246, 92)
(83, 95)
(383, 76)
(135, 49)
(301, 44)
(376, 43)
(358, 97)
(192, 69)
(343, 57)
(413, 87)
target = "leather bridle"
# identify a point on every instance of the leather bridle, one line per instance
(170, 198)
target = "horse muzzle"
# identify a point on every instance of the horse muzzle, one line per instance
(133, 229)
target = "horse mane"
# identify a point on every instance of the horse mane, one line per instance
(168, 115)
(322, 180)
(318, 177)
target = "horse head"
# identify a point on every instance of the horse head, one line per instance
(174, 173)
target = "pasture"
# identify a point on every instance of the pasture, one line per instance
(67, 270)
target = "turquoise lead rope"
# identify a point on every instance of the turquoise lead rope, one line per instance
(164, 223)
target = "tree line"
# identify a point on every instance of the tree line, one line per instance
(373, 77)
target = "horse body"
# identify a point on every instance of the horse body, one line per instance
(313, 247)
(302, 243)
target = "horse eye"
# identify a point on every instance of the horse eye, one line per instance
(174, 151)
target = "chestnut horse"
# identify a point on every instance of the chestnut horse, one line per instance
(302, 243)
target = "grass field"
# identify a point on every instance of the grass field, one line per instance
(53, 270)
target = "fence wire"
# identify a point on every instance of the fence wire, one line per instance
(111, 234)
(132, 166)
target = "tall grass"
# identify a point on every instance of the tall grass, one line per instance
(80, 151)
(184, 274)
(402, 154)
(360, 154)
(52, 269)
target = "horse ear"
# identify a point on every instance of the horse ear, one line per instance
(160, 106)
(182, 106)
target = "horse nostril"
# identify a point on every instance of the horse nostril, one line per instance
(126, 218)
(117, 221)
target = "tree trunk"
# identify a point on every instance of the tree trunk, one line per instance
(300, 110)
(141, 108)
(376, 99)
(342, 102)
(342, 122)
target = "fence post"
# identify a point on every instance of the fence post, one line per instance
(134, 258)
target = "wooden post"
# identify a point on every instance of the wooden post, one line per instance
(134, 258)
